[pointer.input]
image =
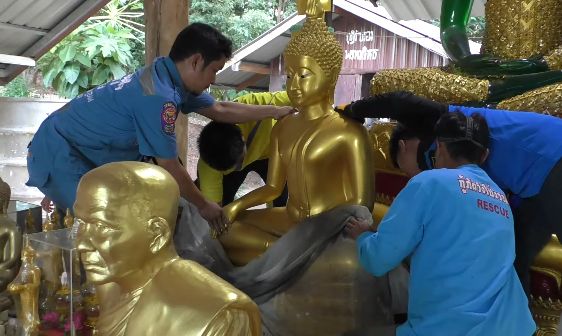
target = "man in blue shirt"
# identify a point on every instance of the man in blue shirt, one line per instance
(525, 160)
(449, 221)
(134, 117)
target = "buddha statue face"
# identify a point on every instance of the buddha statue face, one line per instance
(307, 84)
(313, 60)
(124, 214)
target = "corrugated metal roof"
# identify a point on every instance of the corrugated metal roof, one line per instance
(422, 9)
(29, 28)
(272, 43)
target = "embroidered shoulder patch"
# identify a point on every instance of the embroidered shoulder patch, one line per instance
(168, 118)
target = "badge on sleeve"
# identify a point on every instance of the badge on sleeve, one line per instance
(168, 118)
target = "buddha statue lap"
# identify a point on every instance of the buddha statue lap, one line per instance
(520, 67)
(132, 206)
(324, 158)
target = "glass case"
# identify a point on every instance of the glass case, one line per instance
(66, 303)
(22, 213)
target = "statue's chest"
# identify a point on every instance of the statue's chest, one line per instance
(312, 146)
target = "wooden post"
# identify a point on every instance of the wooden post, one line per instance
(164, 19)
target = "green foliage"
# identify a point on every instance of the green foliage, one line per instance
(227, 94)
(16, 88)
(241, 21)
(97, 52)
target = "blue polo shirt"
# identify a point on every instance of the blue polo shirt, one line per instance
(457, 227)
(120, 121)
(524, 147)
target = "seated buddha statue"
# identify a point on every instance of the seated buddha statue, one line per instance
(126, 214)
(10, 240)
(519, 67)
(325, 159)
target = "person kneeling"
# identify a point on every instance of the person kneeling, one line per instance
(456, 225)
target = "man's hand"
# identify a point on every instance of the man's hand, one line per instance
(47, 204)
(214, 215)
(355, 227)
(281, 111)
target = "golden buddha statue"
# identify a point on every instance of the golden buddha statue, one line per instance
(25, 290)
(129, 207)
(29, 222)
(68, 220)
(10, 240)
(519, 67)
(324, 158)
(5, 194)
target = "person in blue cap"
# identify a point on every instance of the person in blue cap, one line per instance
(525, 160)
(134, 117)
(456, 225)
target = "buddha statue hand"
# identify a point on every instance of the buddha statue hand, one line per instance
(481, 65)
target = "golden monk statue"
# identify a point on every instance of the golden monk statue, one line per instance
(519, 67)
(127, 213)
(25, 290)
(324, 158)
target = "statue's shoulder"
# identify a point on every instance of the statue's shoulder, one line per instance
(190, 279)
(185, 288)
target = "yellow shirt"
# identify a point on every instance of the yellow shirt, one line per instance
(210, 180)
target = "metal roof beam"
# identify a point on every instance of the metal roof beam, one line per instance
(17, 60)
(258, 68)
(20, 28)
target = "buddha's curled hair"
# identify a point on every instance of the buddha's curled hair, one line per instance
(314, 40)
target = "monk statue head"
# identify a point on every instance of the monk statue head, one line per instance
(313, 60)
(127, 213)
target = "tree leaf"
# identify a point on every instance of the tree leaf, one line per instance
(67, 53)
(71, 72)
(85, 60)
(100, 75)
(49, 76)
(116, 70)
(82, 80)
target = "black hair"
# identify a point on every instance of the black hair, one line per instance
(402, 132)
(465, 137)
(221, 145)
(203, 39)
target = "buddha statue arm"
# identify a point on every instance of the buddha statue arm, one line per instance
(276, 178)
(14, 252)
(361, 168)
(454, 19)
(233, 322)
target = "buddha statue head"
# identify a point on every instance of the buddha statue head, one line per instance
(313, 60)
(126, 213)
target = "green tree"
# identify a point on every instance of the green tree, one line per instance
(16, 88)
(241, 21)
(98, 51)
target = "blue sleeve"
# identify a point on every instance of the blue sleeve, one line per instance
(155, 121)
(399, 232)
(194, 103)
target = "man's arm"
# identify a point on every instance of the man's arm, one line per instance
(413, 111)
(210, 211)
(231, 112)
(399, 233)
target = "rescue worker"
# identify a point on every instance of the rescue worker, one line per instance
(456, 226)
(133, 117)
